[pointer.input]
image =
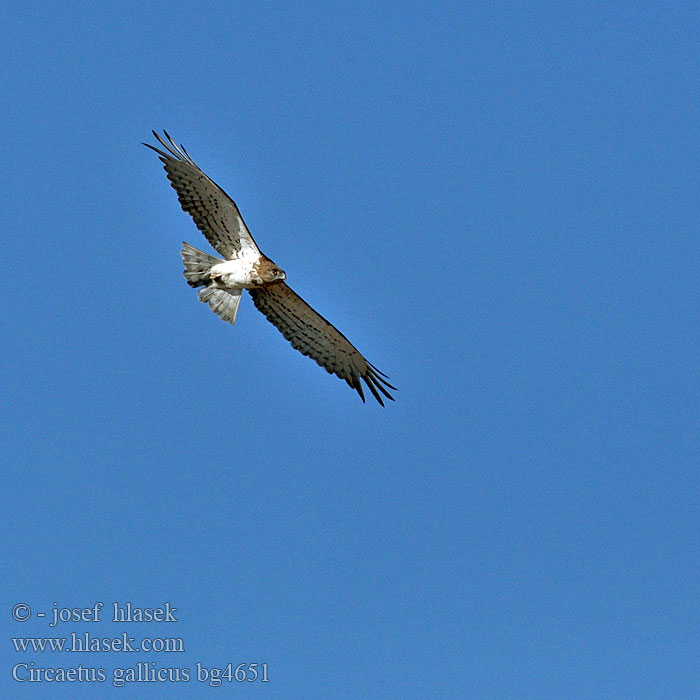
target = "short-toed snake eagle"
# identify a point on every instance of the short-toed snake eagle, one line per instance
(222, 282)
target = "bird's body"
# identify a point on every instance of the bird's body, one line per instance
(245, 272)
(221, 282)
(235, 274)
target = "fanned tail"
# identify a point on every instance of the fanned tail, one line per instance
(223, 302)
(197, 265)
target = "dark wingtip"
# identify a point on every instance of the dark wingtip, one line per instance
(373, 384)
(378, 371)
(357, 386)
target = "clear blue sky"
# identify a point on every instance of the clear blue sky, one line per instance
(498, 203)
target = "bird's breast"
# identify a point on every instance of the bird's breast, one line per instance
(238, 273)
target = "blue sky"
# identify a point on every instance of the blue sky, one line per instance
(498, 204)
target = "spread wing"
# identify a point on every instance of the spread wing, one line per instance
(214, 212)
(313, 336)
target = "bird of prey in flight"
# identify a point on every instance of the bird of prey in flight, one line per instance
(244, 266)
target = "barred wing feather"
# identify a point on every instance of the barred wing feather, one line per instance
(214, 212)
(313, 336)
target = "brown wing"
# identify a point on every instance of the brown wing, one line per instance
(214, 212)
(313, 336)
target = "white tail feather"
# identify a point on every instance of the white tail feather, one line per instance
(223, 302)
(197, 265)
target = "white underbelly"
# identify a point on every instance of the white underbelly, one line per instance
(234, 273)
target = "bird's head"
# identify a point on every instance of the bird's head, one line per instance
(274, 274)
